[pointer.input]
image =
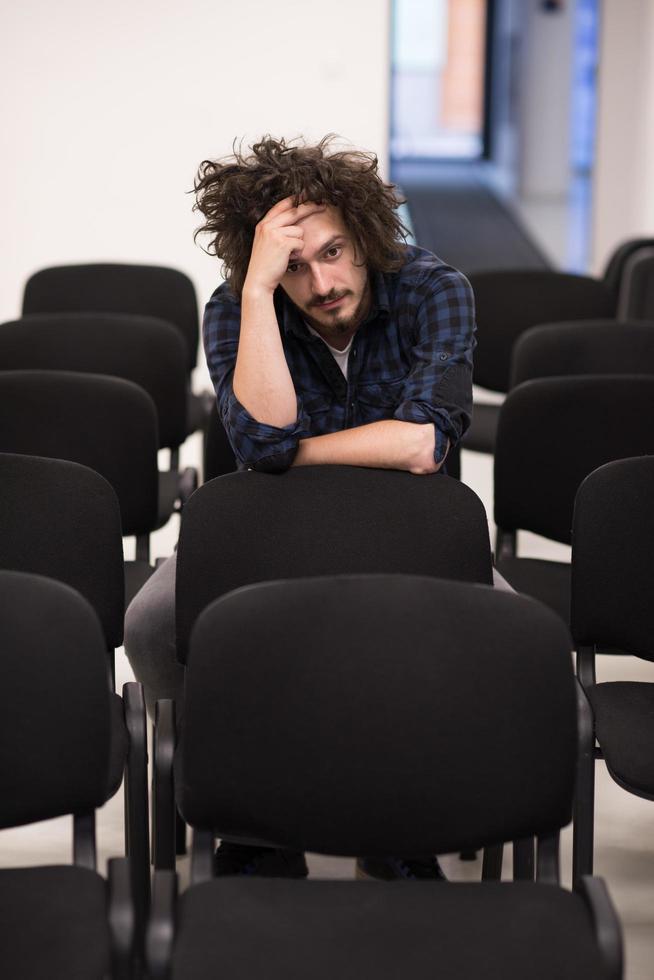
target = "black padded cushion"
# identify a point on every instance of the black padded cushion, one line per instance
(145, 290)
(548, 581)
(613, 557)
(507, 302)
(615, 266)
(62, 520)
(53, 923)
(325, 929)
(148, 352)
(482, 433)
(640, 303)
(105, 423)
(553, 432)
(378, 714)
(624, 726)
(324, 520)
(584, 347)
(54, 701)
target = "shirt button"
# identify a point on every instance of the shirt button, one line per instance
(354, 352)
(443, 357)
(352, 405)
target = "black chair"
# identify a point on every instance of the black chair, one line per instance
(219, 456)
(102, 422)
(144, 290)
(250, 527)
(379, 714)
(552, 433)
(612, 575)
(507, 303)
(616, 273)
(55, 738)
(61, 520)
(583, 347)
(639, 286)
(148, 352)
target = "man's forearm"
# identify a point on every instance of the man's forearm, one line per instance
(389, 444)
(262, 381)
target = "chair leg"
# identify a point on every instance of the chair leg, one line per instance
(523, 859)
(491, 869)
(163, 788)
(137, 834)
(180, 834)
(584, 803)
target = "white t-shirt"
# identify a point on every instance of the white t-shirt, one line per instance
(340, 356)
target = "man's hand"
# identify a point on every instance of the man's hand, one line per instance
(390, 444)
(277, 235)
(262, 381)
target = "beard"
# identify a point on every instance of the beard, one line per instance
(335, 327)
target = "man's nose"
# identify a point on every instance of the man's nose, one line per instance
(320, 280)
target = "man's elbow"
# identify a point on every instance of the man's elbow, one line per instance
(278, 462)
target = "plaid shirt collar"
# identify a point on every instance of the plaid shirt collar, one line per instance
(292, 322)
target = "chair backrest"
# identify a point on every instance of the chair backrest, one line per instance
(613, 557)
(639, 286)
(324, 520)
(148, 352)
(583, 347)
(509, 302)
(218, 454)
(146, 290)
(105, 423)
(615, 266)
(553, 432)
(54, 702)
(62, 520)
(378, 715)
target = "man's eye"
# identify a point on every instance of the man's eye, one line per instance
(334, 251)
(293, 266)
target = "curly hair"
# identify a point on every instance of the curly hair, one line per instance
(234, 194)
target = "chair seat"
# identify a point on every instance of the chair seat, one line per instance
(242, 928)
(548, 581)
(119, 745)
(481, 435)
(53, 923)
(624, 726)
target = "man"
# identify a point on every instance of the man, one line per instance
(330, 341)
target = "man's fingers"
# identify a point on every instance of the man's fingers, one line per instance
(289, 214)
(284, 205)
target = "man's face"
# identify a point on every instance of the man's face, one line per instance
(330, 291)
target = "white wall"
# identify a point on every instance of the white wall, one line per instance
(545, 92)
(624, 171)
(108, 108)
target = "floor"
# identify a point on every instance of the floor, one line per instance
(624, 851)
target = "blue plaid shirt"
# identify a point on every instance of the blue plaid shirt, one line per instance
(411, 359)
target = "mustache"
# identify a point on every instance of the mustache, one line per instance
(328, 298)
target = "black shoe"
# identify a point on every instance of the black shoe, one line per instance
(396, 869)
(266, 862)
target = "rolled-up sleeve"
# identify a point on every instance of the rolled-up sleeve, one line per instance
(438, 388)
(256, 445)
